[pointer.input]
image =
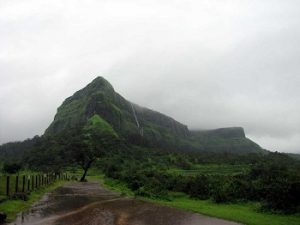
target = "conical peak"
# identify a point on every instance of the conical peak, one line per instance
(100, 83)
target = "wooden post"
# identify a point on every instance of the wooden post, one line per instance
(23, 184)
(7, 185)
(32, 182)
(28, 183)
(17, 184)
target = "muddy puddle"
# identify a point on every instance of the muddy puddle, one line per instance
(89, 204)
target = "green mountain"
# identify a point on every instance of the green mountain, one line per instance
(142, 126)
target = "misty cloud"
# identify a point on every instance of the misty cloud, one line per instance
(206, 63)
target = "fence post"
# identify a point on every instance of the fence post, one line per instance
(7, 185)
(32, 182)
(23, 184)
(17, 184)
(28, 183)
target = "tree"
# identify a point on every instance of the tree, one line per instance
(97, 138)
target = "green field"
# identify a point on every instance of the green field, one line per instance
(245, 213)
(212, 169)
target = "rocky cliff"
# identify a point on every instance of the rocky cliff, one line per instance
(139, 125)
(128, 119)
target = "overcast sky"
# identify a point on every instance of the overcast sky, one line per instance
(207, 63)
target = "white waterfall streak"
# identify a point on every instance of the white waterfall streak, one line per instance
(136, 120)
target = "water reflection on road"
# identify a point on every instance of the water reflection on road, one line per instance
(89, 204)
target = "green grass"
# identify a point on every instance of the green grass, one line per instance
(98, 124)
(245, 213)
(212, 169)
(13, 207)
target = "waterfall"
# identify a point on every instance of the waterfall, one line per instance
(136, 120)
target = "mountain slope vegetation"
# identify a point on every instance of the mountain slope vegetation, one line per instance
(142, 126)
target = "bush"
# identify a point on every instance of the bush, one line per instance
(11, 168)
(153, 189)
(282, 195)
(230, 189)
(220, 193)
(198, 187)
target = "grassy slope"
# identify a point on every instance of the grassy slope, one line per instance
(212, 169)
(13, 207)
(100, 125)
(245, 213)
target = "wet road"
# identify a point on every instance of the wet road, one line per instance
(90, 204)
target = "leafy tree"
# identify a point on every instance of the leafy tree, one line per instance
(97, 138)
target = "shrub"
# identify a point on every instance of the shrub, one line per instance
(11, 168)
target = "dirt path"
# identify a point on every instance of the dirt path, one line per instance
(90, 204)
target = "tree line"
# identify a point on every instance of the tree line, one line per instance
(273, 179)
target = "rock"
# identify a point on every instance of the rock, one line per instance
(20, 195)
(2, 217)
